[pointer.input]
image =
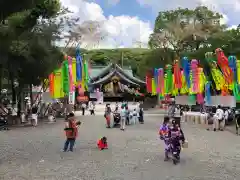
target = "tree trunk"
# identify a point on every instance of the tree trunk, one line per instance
(20, 99)
(11, 78)
(198, 45)
(1, 77)
(31, 94)
(177, 54)
(13, 89)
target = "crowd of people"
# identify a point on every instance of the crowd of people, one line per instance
(218, 116)
(123, 115)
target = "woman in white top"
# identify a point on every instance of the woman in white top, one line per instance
(123, 118)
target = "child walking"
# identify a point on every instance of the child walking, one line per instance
(71, 130)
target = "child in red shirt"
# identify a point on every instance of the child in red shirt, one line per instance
(102, 143)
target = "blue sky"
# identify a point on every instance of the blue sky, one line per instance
(130, 8)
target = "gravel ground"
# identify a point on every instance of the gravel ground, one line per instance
(28, 153)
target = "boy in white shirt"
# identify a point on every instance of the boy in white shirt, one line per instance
(226, 115)
(84, 106)
(134, 116)
(91, 108)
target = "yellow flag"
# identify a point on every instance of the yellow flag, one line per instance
(174, 90)
(184, 88)
(218, 78)
(202, 80)
(153, 87)
(238, 71)
(191, 84)
(74, 73)
(58, 89)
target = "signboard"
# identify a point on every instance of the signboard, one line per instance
(100, 98)
(46, 97)
(37, 89)
(226, 101)
(71, 98)
(184, 100)
(93, 95)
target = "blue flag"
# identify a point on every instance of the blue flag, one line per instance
(78, 64)
(208, 93)
(186, 70)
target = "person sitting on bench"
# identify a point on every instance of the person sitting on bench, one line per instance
(218, 120)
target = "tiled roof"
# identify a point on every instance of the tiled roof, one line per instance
(96, 70)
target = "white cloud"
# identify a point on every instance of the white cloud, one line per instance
(122, 31)
(232, 27)
(225, 19)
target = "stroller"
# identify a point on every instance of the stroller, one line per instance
(3, 122)
(116, 119)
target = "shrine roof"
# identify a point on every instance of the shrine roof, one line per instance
(102, 74)
(97, 70)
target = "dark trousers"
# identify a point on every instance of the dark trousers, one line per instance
(127, 120)
(69, 143)
(92, 112)
(237, 124)
(83, 111)
(140, 118)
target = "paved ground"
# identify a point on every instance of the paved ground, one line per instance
(35, 154)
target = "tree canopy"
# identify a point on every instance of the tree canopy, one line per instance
(28, 41)
(27, 32)
(185, 29)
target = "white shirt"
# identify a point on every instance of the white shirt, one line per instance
(134, 113)
(84, 105)
(219, 114)
(226, 113)
(90, 107)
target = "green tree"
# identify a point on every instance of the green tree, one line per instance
(227, 40)
(185, 29)
(7, 8)
(28, 53)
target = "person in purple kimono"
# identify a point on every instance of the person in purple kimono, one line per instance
(176, 136)
(164, 135)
